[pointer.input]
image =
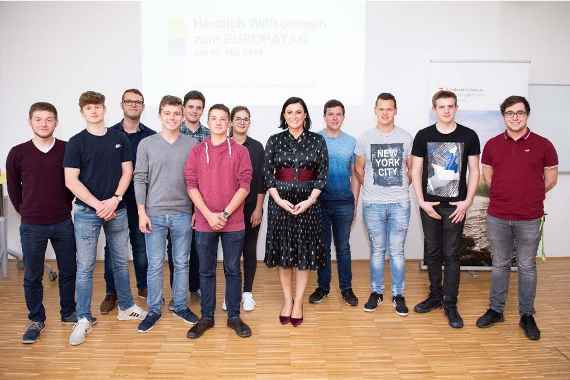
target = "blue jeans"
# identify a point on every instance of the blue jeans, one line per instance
(207, 245)
(87, 228)
(179, 225)
(387, 225)
(504, 235)
(138, 249)
(336, 221)
(34, 238)
(194, 268)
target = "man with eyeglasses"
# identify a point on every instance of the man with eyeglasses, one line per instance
(132, 103)
(520, 167)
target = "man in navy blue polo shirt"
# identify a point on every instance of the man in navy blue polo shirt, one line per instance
(520, 167)
(132, 103)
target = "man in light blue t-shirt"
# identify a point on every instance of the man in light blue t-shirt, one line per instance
(337, 204)
(382, 166)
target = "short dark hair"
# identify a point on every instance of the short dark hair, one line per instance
(221, 107)
(91, 97)
(288, 102)
(42, 106)
(386, 96)
(331, 104)
(237, 109)
(512, 100)
(169, 100)
(194, 95)
(443, 94)
(134, 91)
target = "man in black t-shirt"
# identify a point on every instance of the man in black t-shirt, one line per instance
(98, 169)
(441, 154)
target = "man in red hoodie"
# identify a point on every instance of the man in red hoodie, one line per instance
(218, 173)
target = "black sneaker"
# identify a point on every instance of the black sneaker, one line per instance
(171, 305)
(148, 323)
(187, 316)
(489, 319)
(374, 300)
(428, 305)
(529, 326)
(349, 297)
(33, 331)
(200, 328)
(453, 317)
(242, 330)
(71, 318)
(318, 295)
(399, 303)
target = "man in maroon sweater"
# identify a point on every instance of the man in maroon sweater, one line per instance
(218, 174)
(36, 187)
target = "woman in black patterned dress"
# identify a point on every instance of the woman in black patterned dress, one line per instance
(296, 164)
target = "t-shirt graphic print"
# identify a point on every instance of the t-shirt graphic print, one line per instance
(444, 168)
(387, 164)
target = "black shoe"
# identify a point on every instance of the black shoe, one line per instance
(399, 303)
(242, 330)
(187, 316)
(318, 295)
(200, 328)
(489, 319)
(453, 317)
(349, 297)
(33, 331)
(374, 300)
(71, 318)
(428, 305)
(529, 326)
(148, 323)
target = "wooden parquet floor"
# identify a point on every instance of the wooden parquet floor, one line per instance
(336, 341)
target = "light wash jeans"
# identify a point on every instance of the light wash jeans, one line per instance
(387, 225)
(87, 228)
(179, 224)
(502, 235)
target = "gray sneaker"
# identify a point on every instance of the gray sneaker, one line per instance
(33, 331)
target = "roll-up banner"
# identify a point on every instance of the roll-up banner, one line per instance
(480, 86)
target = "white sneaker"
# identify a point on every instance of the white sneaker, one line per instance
(248, 301)
(224, 306)
(80, 331)
(133, 312)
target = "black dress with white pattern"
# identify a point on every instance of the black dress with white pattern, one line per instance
(294, 241)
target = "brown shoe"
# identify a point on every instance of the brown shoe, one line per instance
(108, 304)
(143, 293)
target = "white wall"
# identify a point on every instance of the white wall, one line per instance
(55, 51)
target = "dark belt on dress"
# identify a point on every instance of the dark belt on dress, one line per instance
(290, 174)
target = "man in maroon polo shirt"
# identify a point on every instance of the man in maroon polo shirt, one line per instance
(520, 167)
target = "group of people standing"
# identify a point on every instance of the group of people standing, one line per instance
(179, 192)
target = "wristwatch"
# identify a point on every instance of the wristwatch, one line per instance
(225, 214)
(118, 196)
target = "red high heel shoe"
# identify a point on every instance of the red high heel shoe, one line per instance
(297, 321)
(285, 319)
